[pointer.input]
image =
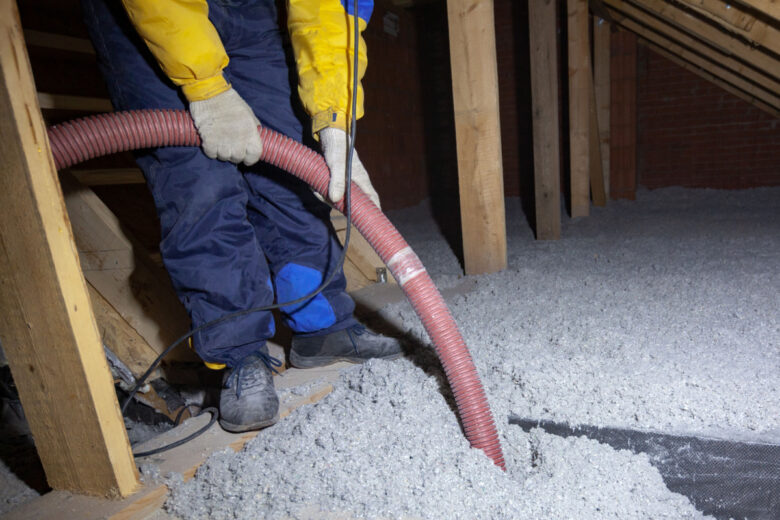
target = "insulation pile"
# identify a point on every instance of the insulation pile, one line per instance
(660, 313)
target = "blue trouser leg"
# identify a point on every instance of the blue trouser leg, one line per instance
(218, 224)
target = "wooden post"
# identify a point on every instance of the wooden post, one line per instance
(579, 107)
(478, 134)
(542, 30)
(596, 174)
(601, 48)
(47, 327)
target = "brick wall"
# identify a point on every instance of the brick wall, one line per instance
(514, 86)
(623, 116)
(692, 133)
(390, 137)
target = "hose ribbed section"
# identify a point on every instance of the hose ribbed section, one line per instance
(83, 139)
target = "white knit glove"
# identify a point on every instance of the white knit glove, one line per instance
(334, 147)
(227, 128)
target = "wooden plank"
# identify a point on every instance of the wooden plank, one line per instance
(602, 34)
(727, 86)
(109, 176)
(596, 175)
(734, 83)
(47, 100)
(363, 256)
(765, 87)
(119, 336)
(579, 106)
(122, 271)
(362, 262)
(184, 460)
(478, 134)
(59, 42)
(734, 18)
(47, 327)
(768, 7)
(542, 33)
(709, 34)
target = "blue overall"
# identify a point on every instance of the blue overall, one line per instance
(232, 236)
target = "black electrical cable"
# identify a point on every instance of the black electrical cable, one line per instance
(348, 214)
(188, 438)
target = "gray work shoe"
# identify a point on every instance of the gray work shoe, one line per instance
(355, 344)
(248, 400)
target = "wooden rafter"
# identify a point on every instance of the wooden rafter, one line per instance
(736, 19)
(703, 30)
(770, 8)
(767, 102)
(755, 83)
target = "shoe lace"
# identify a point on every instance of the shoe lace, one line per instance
(357, 330)
(243, 377)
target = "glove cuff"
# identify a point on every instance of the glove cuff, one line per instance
(330, 118)
(205, 88)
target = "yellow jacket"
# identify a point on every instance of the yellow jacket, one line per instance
(190, 52)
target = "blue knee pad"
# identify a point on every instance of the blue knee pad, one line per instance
(295, 281)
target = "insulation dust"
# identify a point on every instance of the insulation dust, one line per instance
(13, 491)
(661, 313)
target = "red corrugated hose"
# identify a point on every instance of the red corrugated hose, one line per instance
(76, 141)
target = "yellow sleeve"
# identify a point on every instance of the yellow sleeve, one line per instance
(185, 43)
(321, 34)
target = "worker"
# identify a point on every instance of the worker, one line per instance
(237, 233)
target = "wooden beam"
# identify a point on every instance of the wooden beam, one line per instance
(123, 273)
(703, 73)
(768, 7)
(682, 39)
(709, 34)
(733, 18)
(579, 106)
(58, 42)
(75, 103)
(478, 134)
(47, 327)
(601, 53)
(736, 84)
(109, 176)
(542, 33)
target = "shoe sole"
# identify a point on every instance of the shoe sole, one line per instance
(323, 361)
(241, 428)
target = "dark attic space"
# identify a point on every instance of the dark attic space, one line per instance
(550, 290)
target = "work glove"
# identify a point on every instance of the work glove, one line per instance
(227, 128)
(334, 148)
